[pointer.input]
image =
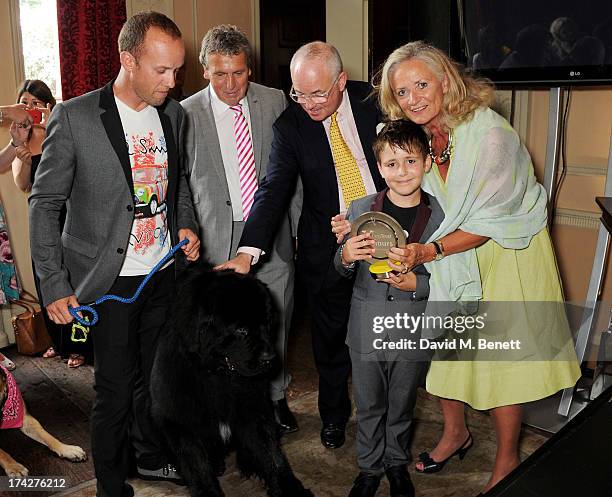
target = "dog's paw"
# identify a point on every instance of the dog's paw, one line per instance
(301, 492)
(15, 470)
(73, 453)
(292, 487)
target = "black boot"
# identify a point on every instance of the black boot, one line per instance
(399, 481)
(284, 417)
(365, 485)
(332, 435)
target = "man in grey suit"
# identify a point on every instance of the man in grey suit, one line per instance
(228, 138)
(112, 157)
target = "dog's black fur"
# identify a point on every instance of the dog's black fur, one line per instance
(211, 377)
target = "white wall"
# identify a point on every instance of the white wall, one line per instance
(346, 26)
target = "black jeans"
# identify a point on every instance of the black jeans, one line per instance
(125, 341)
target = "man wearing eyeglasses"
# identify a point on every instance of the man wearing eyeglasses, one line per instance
(325, 142)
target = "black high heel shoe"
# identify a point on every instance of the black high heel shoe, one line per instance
(431, 466)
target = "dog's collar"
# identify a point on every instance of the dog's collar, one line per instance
(226, 366)
(230, 368)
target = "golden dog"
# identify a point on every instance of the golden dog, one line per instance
(13, 414)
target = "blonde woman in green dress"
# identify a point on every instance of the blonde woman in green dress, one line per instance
(492, 246)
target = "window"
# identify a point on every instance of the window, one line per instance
(40, 42)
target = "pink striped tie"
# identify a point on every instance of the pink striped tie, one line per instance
(246, 160)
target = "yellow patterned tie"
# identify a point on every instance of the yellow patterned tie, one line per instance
(348, 173)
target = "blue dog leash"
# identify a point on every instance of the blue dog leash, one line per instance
(85, 322)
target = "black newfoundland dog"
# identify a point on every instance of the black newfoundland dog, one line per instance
(210, 384)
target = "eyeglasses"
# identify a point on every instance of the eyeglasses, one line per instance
(319, 97)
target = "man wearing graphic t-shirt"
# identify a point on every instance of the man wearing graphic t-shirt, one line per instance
(113, 158)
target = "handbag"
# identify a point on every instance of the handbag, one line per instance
(31, 333)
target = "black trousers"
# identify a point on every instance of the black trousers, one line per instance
(330, 308)
(125, 340)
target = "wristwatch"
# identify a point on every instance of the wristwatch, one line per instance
(439, 250)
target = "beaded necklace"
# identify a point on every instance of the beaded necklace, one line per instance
(445, 154)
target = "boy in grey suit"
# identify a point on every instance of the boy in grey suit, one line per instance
(385, 377)
(228, 137)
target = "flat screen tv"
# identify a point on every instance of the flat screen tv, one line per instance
(538, 42)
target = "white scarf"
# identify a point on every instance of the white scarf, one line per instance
(490, 190)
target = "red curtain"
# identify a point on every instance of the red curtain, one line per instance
(88, 31)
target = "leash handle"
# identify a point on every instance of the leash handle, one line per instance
(94, 315)
(82, 320)
(74, 336)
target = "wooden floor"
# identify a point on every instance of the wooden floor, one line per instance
(61, 399)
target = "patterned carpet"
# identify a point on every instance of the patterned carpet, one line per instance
(330, 473)
(61, 399)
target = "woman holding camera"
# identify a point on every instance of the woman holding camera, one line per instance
(26, 141)
(26, 147)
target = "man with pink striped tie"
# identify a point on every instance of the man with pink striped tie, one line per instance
(246, 160)
(227, 145)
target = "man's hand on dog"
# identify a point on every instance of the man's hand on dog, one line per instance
(58, 310)
(241, 263)
(192, 249)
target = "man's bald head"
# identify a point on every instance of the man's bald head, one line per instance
(318, 52)
(318, 79)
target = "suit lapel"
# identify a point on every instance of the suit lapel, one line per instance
(422, 215)
(255, 113)
(173, 159)
(211, 138)
(377, 203)
(114, 130)
(422, 218)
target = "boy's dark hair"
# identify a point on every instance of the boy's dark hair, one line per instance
(402, 134)
(133, 32)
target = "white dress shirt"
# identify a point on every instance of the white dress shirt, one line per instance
(224, 121)
(348, 129)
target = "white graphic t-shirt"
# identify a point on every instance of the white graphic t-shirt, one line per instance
(149, 239)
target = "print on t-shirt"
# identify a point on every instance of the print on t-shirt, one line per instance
(150, 186)
(150, 179)
(149, 241)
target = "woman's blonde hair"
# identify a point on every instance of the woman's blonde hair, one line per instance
(465, 93)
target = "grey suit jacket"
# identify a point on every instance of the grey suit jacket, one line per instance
(206, 172)
(85, 166)
(372, 299)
